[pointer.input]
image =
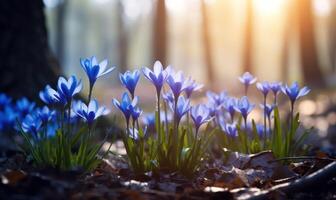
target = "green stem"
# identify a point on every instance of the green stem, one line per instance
(159, 117)
(265, 134)
(90, 93)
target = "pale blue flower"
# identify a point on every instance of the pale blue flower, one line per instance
(294, 92)
(263, 87)
(125, 105)
(130, 80)
(182, 107)
(177, 83)
(191, 87)
(91, 112)
(24, 107)
(94, 70)
(247, 79)
(157, 76)
(244, 107)
(200, 114)
(217, 99)
(45, 114)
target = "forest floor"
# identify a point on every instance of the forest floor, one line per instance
(239, 176)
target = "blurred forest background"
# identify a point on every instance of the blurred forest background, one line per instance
(214, 41)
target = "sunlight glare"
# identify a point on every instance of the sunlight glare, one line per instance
(268, 7)
(322, 7)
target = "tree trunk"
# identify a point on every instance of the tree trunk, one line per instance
(287, 34)
(60, 27)
(122, 38)
(26, 61)
(248, 38)
(332, 39)
(207, 44)
(312, 74)
(160, 34)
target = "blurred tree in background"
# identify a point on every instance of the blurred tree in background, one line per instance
(27, 63)
(212, 40)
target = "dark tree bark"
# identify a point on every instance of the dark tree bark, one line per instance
(60, 27)
(312, 74)
(160, 33)
(122, 38)
(248, 38)
(207, 44)
(26, 62)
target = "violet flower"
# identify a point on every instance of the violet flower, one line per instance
(130, 80)
(45, 114)
(91, 112)
(124, 106)
(230, 105)
(247, 79)
(157, 77)
(191, 87)
(94, 70)
(200, 115)
(177, 83)
(294, 92)
(230, 129)
(182, 107)
(276, 88)
(244, 107)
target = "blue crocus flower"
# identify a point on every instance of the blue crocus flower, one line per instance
(182, 107)
(48, 95)
(94, 70)
(200, 114)
(213, 108)
(149, 120)
(247, 79)
(191, 87)
(24, 107)
(168, 97)
(135, 112)
(7, 118)
(264, 87)
(91, 112)
(32, 124)
(130, 80)
(157, 76)
(125, 105)
(275, 87)
(230, 105)
(267, 109)
(177, 83)
(294, 92)
(244, 107)
(134, 133)
(45, 114)
(217, 99)
(230, 129)
(52, 129)
(66, 89)
(4, 101)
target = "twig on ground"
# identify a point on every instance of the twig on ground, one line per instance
(314, 180)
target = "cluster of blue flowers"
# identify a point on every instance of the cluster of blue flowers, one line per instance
(173, 87)
(43, 122)
(179, 104)
(224, 107)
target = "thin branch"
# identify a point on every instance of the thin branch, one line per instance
(303, 158)
(314, 180)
